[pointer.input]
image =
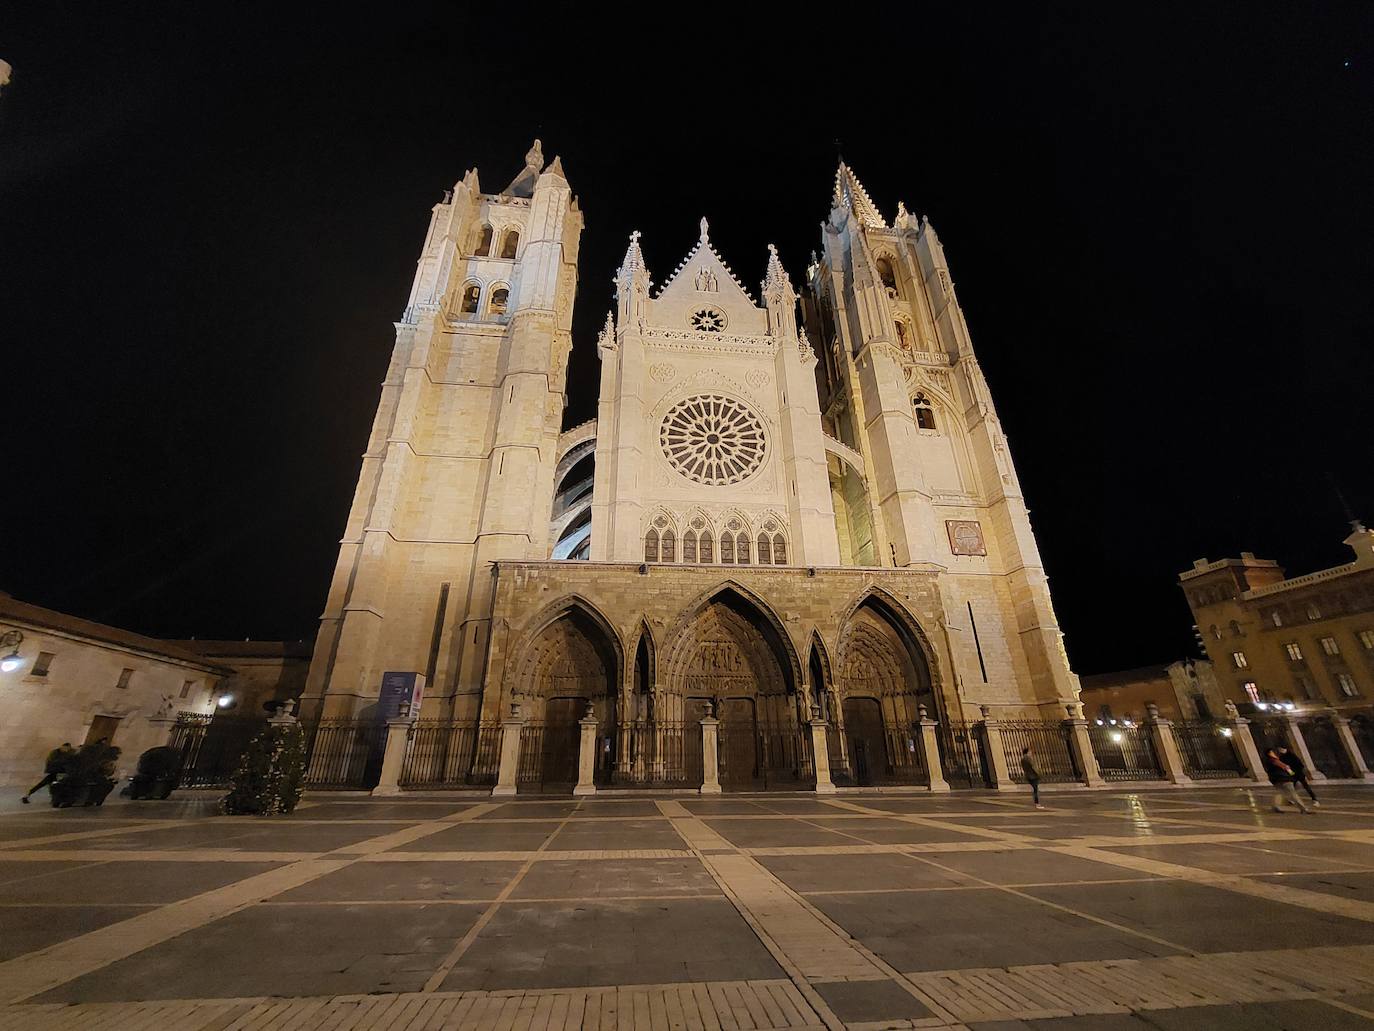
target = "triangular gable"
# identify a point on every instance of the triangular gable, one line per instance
(704, 273)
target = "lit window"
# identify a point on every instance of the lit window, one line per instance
(510, 244)
(925, 414)
(1240, 660)
(1347, 685)
(1252, 690)
(124, 676)
(471, 294)
(1313, 612)
(500, 297)
(1367, 639)
(1277, 617)
(41, 664)
(1330, 646)
(1294, 652)
(483, 247)
(651, 546)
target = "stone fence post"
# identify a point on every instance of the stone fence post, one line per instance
(509, 768)
(1298, 744)
(930, 750)
(1244, 742)
(995, 752)
(394, 754)
(586, 754)
(1082, 745)
(1166, 746)
(710, 752)
(820, 753)
(1354, 758)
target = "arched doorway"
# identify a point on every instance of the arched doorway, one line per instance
(571, 663)
(732, 654)
(884, 678)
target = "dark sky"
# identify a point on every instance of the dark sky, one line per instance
(1159, 218)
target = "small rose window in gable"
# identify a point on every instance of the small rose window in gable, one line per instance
(708, 320)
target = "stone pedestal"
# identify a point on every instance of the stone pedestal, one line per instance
(1166, 746)
(995, 753)
(1354, 758)
(710, 755)
(1244, 743)
(509, 767)
(820, 753)
(394, 756)
(586, 754)
(1298, 744)
(1083, 755)
(930, 752)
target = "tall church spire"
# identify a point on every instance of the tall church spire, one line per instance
(851, 195)
(632, 284)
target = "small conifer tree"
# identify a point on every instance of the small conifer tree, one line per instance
(270, 775)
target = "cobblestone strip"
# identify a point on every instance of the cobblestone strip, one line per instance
(701, 1006)
(1172, 982)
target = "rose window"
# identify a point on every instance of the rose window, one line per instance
(713, 439)
(708, 320)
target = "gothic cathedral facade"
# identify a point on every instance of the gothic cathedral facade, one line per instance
(787, 506)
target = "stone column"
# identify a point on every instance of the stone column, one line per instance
(509, 769)
(820, 753)
(1299, 745)
(930, 751)
(1082, 745)
(995, 753)
(1354, 758)
(1166, 746)
(710, 751)
(394, 756)
(1244, 742)
(586, 754)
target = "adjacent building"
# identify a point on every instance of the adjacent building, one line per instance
(1183, 690)
(1305, 639)
(262, 671)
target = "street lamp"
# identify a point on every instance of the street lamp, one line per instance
(11, 662)
(226, 700)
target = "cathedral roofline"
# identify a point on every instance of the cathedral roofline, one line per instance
(704, 240)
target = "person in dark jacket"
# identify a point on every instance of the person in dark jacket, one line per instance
(1281, 776)
(1294, 762)
(59, 759)
(1032, 776)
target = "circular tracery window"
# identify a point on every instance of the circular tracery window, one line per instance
(708, 320)
(712, 439)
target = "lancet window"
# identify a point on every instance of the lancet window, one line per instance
(483, 245)
(500, 297)
(924, 411)
(510, 243)
(472, 293)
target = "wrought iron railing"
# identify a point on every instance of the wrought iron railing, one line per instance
(659, 752)
(1124, 752)
(785, 750)
(1051, 750)
(345, 754)
(961, 754)
(451, 753)
(211, 745)
(1208, 753)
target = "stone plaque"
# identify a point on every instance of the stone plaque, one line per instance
(965, 537)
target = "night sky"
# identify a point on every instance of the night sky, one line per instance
(1159, 219)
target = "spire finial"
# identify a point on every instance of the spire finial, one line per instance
(705, 230)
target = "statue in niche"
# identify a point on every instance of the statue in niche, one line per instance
(706, 280)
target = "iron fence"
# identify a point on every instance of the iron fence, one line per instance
(905, 763)
(1208, 754)
(444, 753)
(785, 749)
(961, 754)
(1324, 745)
(345, 754)
(1125, 752)
(211, 745)
(659, 752)
(1051, 750)
(1268, 732)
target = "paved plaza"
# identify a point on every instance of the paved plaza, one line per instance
(1112, 910)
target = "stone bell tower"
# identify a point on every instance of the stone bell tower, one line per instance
(901, 385)
(458, 471)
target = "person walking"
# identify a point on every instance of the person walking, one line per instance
(56, 765)
(1281, 776)
(1294, 762)
(1032, 776)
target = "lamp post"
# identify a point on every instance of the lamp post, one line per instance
(11, 662)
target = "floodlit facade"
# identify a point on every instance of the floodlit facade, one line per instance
(791, 501)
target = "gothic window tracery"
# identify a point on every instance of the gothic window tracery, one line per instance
(924, 411)
(510, 243)
(651, 545)
(741, 549)
(779, 550)
(472, 293)
(483, 245)
(707, 320)
(765, 550)
(706, 548)
(887, 277)
(689, 546)
(669, 546)
(713, 439)
(727, 549)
